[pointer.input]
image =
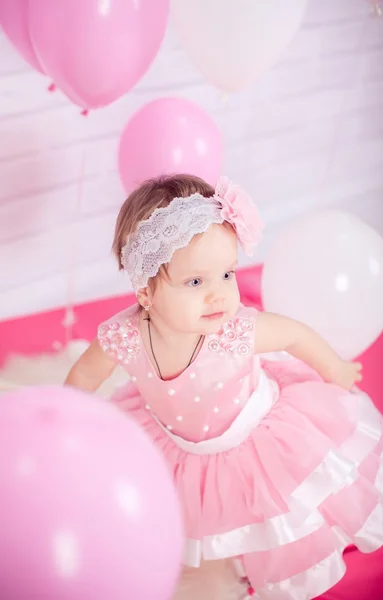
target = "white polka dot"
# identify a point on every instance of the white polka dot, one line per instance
(206, 428)
(169, 427)
(134, 378)
(192, 375)
(216, 409)
(147, 406)
(150, 375)
(197, 399)
(236, 400)
(171, 392)
(179, 418)
(219, 385)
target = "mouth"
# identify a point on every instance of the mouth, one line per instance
(213, 316)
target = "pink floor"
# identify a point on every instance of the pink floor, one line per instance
(39, 333)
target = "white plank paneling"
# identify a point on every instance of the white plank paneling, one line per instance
(308, 135)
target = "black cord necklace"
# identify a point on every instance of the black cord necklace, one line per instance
(154, 356)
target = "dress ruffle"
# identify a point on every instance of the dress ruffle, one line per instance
(307, 482)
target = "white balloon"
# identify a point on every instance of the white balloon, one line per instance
(326, 270)
(234, 41)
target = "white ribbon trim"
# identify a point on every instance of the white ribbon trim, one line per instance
(258, 405)
(308, 584)
(338, 469)
(257, 537)
(330, 476)
(316, 580)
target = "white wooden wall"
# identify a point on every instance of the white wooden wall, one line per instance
(309, 135)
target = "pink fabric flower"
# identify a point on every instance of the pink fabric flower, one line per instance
(240, 211)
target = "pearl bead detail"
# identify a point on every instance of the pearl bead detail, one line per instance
(216, 409)
(197, 399)
(205, 428)
(171, 392)
(120, 340)
(236, 400)
(179, 418)
(147, 406)
(134, 378)
(192, 375)
(150, 375)
(169, 427)
(233, 338)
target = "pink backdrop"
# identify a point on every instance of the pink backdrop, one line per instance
(35, 334)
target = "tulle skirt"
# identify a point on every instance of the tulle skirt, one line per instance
(298, 477)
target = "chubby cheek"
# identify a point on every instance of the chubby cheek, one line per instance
(178, 308)
(233, 299)
(188, 311)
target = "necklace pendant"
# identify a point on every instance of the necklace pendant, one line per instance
(154, 356)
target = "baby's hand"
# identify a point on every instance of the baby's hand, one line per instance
(347, 374)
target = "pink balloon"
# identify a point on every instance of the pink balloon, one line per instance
(169, 135)
(96, 51)
(14, 21)
(88, 508)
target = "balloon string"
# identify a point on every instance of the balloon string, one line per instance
(377, 8)
(69, 316)
(225, 130)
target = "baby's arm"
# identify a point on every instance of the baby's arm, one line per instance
(91, 369)
(275, 333)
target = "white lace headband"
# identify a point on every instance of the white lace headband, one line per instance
(173, 227)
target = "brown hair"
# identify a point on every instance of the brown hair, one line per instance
(152, 194)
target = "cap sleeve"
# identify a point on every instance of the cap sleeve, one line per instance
(119, 336)
(249, 316)
(237, 337)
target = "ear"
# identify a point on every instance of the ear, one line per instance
(144, 297)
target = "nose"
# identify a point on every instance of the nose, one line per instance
(215, 297)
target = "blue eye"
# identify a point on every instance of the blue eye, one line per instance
(196, 282)
(229, 275)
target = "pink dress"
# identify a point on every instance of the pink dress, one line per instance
(271, 464)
